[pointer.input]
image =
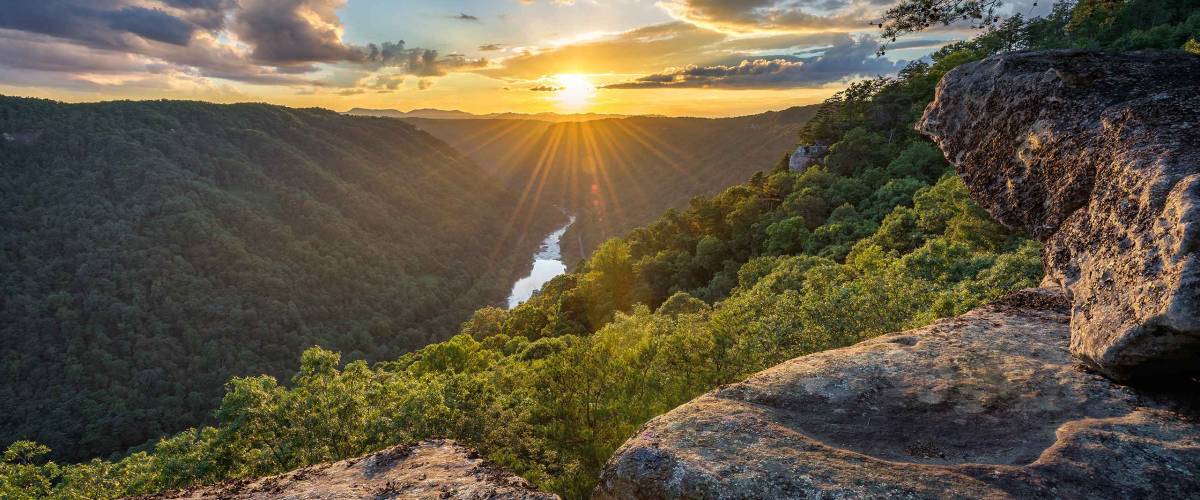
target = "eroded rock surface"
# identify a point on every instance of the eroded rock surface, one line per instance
(986, 405)
(429, 469)
(1098, 155)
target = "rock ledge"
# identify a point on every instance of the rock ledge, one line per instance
(429, 469)
(1098, 155)
(987, 404)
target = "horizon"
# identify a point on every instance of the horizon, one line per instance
(629, 57)
(348, 111)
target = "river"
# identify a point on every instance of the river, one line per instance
(547, 263)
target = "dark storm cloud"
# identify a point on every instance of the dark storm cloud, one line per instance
(282, 33)
(199, 4)
(207, 14)
(61, 29)
(99, 23)
(151, 24)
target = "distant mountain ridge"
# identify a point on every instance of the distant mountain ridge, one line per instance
(454, 114)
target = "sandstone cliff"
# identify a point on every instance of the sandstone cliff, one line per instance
(1096, 155)
(429, 469)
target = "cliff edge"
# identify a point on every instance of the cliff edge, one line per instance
(987, 404)
(1093, 153)
(1097, 155)
(430, 469)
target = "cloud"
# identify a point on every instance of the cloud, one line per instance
(207, 14)
(300, 44)
(750, 16)
(151, 24)
(545, 88)
(783, 41)
(90, 23)
(917, 43)
(25, 52)
(848, 59)
(388, 82)
(417, 61)
(269, 42)
(634, 51)
(832, 57)
(292, 32)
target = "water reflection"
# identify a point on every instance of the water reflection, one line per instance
(547, 263)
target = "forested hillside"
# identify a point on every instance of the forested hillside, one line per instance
(151, 250)
(620, 173)
(879, 236)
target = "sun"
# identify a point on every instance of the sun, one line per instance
(574, 91)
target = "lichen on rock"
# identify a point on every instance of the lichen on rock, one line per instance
(986, 405)
(430, 469)
(1098, 155)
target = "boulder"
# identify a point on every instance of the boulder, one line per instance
(429, 469)
(1097, 155)
(988, 404)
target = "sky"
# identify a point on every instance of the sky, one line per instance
(667, 57)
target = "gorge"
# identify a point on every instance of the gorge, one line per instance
(982, 284)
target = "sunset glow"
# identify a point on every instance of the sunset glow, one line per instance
(668, 57)
(575, 92)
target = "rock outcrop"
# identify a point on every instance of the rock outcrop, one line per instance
(1098, 155)
(429, 469)
(986, 405)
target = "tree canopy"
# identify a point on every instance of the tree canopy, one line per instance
(788, 263)
(151, 250)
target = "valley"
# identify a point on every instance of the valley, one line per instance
(153, 250)
(616, 174)
(978, 279)
(240, 235)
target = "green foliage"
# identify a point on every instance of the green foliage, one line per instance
(785, 265)
(786, 236)
(553, 404)
(858, 150)
(153, 249)
(1134, 24)
(910, 16)
(1101, 24)
(920, 160)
